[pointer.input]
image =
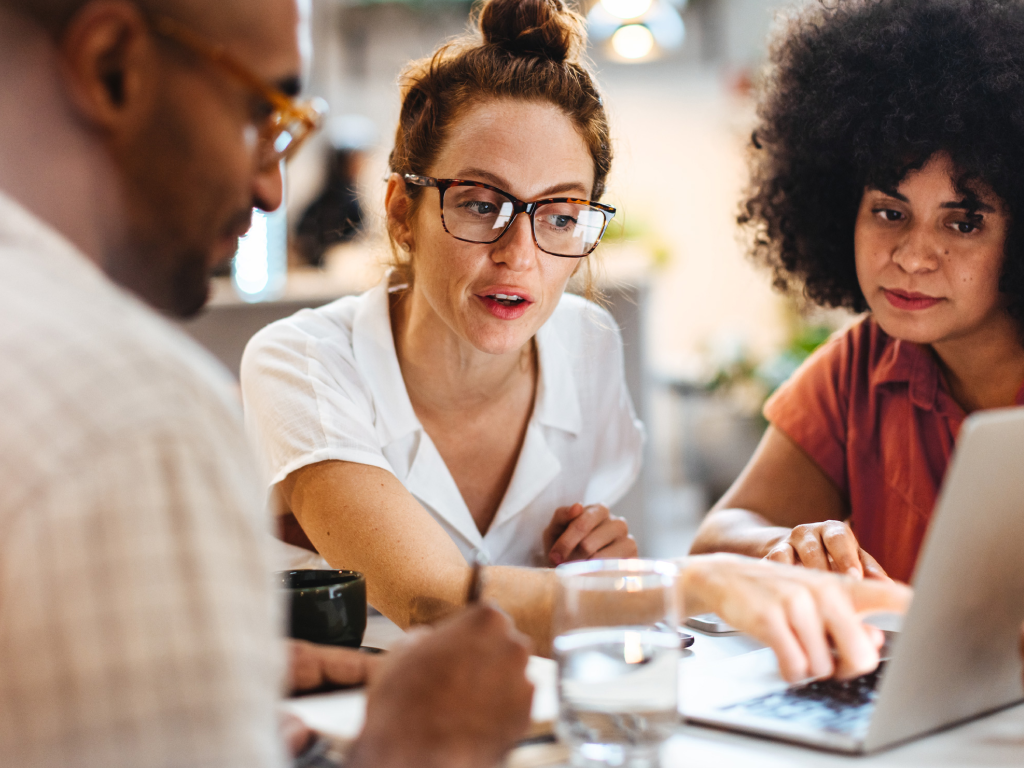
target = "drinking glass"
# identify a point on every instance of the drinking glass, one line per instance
(618, 650)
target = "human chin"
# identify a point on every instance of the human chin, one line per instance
(189, 287)
(500, 337)
(919, 327)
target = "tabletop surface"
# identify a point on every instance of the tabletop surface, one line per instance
(996, 740)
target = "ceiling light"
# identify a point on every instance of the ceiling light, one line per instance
(633, 41)
(626, 9)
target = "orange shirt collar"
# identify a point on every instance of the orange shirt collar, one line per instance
(905, 362)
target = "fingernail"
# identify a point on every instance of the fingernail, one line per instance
(854, 572)
(555, 558)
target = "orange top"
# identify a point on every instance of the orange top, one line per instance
(875, 415)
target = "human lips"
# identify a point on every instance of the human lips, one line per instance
(505, 302)
(909, 300)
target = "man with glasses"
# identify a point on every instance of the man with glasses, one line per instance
(138, 625)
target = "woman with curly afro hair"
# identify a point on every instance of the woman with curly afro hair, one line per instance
(888, 178)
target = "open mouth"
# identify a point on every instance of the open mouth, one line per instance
(506, 299)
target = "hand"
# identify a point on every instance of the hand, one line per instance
(312, 666)
(809, 618)
(453, 697)
(295, 734)
(827, 546)
(587, 533)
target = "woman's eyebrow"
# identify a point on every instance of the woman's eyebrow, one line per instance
(968, 205)
(498, 181)
(889, 193)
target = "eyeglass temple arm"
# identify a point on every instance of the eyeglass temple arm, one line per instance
(419, 181)
(179, 33)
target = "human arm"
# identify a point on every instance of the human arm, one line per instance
(416, 574)
(812, 620)
(454, 697)
(784, 507)
(363, 518)
(587, 533)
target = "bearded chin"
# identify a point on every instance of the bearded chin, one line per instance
(189, 286)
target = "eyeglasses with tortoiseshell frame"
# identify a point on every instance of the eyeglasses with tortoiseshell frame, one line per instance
(475, 212)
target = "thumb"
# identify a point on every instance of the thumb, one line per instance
(873, 595)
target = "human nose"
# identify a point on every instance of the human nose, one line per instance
(516, 249)
(917, 252)
(268, 187)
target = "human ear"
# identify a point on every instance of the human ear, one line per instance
(106, 56)
(398, 206)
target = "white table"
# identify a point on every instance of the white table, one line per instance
(994, 741)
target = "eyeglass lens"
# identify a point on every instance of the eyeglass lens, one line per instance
(481, 215)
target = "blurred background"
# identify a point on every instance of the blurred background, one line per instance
(707, 339)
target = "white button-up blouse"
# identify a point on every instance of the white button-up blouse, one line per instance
(325, 384)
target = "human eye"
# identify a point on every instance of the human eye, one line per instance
(479, 207)
(476, 202)
(888, 215)
(558, 217)
(966, 227)
(559, 221)
(261, 111)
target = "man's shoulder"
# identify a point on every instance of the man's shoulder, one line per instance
(82, 367)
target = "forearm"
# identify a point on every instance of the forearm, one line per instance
(739, 531)
(702, 586)
(527, 595)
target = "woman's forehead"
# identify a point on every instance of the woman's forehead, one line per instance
(529, 145)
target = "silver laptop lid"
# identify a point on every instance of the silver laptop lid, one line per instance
(959, 653)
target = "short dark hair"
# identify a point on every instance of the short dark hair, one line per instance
(52, 14)
(861, 92)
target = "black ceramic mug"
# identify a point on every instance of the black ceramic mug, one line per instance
(326, 607)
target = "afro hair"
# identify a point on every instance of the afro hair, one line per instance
(861, 92)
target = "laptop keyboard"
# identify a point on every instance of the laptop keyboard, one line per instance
(830, 705)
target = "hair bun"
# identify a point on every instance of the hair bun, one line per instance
(544, 28)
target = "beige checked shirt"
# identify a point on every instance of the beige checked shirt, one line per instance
(138, 626)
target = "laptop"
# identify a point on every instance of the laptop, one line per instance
(957, 656)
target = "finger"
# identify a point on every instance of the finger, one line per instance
(808, 627)
(856, 652)
(295, 734)
(810, 550)
(872, 570)
(575, 533)
(782, 553)
(313, 665)
(607, 532)
(873, 595)
(841, 545)
(875, 635)
(348, 667)
(774, 630)
(562, 517)
(619, 549)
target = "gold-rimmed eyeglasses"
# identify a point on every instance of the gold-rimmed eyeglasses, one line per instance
(289, 123)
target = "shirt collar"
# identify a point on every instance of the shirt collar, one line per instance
(557, 406)
(373, 345)
(904, 362)
(53, 252)
(558, 402)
